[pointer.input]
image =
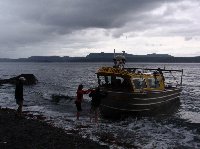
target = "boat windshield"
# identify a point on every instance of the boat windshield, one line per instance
(115, 82)
(104, 80)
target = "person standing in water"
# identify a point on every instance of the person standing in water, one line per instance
(96, 96)
(19, 95)
(79, 99)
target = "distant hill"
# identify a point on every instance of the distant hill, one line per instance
(108, 57)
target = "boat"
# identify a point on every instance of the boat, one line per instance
(137, 91)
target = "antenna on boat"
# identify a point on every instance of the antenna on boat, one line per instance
(123, 53)
(114, 60)
(119, 60)
(181, 77)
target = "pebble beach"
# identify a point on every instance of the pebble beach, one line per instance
(28, 133)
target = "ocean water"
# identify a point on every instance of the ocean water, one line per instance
(180, 129)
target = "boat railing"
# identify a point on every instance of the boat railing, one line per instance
(155, 69)
(159, 70)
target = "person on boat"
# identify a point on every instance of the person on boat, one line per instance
(19, 95)
(96, 96)
(79, 99)
(161, 73)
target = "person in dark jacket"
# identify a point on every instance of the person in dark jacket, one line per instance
(19, 95)
(96, 96)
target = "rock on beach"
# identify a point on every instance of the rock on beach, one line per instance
(30, 79)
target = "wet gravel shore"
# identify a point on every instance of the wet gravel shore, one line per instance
(22, 133)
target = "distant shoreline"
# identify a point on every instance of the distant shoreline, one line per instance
(182, 62)
(108, 57)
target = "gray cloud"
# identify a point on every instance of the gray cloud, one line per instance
(69, 14)
(31, 23)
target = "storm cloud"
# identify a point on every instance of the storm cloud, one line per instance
(71, 27)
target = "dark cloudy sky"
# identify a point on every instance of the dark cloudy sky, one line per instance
(79, 27)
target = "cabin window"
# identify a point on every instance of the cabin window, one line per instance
(116, 81)
(107, 80)
(104, 80)
(139, 83)
(153, 83)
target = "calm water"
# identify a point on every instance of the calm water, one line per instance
(178, 130)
